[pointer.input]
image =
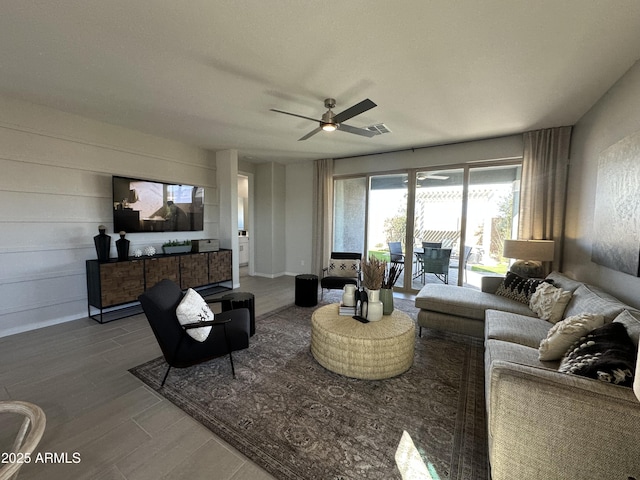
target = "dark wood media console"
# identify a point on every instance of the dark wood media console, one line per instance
(113, 287)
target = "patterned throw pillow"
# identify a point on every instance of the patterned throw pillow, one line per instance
(343, 268)
(193, 309)
(549, 302)
(631, 321)
(564, 333)
(606, 354)
(518, 288)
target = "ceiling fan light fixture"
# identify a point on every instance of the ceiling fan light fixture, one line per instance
(331, 122)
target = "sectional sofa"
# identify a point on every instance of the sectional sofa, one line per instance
(543, 423)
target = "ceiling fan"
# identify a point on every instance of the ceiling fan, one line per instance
(331, 121)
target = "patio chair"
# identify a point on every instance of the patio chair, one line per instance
(419, 267)
(395, 252)
(465, 259)
(436, 261)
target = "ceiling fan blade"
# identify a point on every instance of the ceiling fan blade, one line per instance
(295, 115)
(351, 112)
(358, 131)
(311, 133)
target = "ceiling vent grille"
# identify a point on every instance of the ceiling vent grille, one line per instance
(378, 128)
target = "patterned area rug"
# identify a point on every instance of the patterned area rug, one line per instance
(298, 420)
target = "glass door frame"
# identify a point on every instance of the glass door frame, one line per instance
(411, 196)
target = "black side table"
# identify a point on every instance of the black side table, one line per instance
(306, 290)
(233, 301)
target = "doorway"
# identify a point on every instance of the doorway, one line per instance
(245, 224)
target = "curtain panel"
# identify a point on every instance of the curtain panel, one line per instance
(322, 229)
(543, 190)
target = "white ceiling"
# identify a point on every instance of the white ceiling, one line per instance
(207, 72)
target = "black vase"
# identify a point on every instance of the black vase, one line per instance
(122, 246)
(102, 242)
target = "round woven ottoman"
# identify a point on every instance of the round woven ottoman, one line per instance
(370, 351)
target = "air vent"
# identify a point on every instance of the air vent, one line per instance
(378, 128)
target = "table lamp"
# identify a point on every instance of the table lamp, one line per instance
(529, 255)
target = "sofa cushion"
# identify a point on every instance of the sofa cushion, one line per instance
(606, 354)
(591, 299)
(520, 329)
(549, 302)
(515, 353)
(518, 288)
(562, 281)
(564, 333)
(495, 350)
(465, 302)
(631, 320)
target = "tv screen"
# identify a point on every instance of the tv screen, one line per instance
(151, 206)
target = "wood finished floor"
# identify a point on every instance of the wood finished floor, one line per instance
(77, 372)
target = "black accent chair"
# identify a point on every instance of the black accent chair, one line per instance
(230, 329)
(343, 269)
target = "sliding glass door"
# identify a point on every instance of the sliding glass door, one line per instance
(387, 217)
(437, 224)
(492, 218)
(466, 212)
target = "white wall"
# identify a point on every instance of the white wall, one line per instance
(55, 188)
(227, 174)
(299, 216)
(615, 116)
(269, 237)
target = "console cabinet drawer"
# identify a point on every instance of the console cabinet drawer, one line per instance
(121, 282)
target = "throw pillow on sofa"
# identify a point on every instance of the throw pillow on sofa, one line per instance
(518, 288)
(549, 302)
(632, 324)
(564, 333)
(606, 354)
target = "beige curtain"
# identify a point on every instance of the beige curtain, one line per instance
(543, 190)
(322, 230)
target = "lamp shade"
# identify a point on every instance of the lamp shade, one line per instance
(538, 250)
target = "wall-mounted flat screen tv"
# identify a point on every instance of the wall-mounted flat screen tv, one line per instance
(151, 206)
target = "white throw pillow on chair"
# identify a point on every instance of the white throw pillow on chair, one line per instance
(192, 309)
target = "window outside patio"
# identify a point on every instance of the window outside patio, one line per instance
(469, 210)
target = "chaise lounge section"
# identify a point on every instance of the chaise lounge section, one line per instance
(543, 423)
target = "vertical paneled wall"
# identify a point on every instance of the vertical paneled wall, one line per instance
(55, 189)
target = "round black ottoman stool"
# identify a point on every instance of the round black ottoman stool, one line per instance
(306, 290)
(235, 300)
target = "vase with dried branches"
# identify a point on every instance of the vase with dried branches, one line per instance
(372, 276)
(391, 275)
(373, 271)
